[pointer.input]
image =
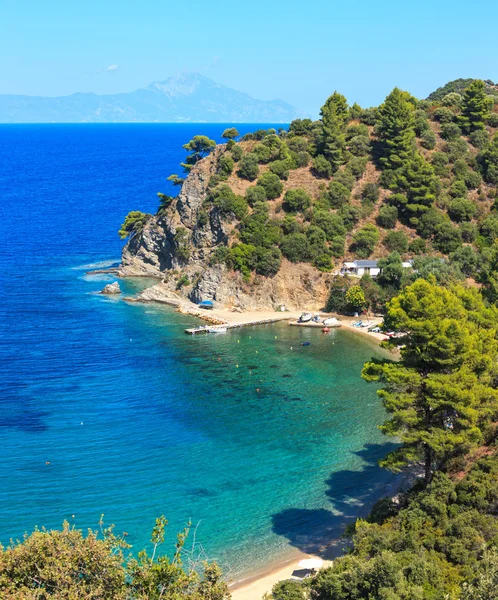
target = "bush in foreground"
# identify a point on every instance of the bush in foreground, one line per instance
(66, 565)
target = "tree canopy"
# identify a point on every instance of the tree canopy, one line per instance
(441, 393)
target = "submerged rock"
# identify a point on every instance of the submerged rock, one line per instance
(111, 288)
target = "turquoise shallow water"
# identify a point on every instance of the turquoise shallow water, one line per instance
(138, 419)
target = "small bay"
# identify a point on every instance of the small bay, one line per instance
(108, 407)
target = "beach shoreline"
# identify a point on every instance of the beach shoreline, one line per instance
(254, 586)
(238, 318)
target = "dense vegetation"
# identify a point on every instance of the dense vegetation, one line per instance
(411, 179)
(65, 565)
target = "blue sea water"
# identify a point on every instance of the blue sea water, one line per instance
(108, 407)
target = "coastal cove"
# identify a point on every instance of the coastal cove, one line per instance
(107, 407)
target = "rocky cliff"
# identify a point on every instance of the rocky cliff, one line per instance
(176, 244)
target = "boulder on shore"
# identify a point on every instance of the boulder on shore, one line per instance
(111, 288)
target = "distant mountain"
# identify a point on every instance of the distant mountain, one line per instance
(459, 85)
(189, 97)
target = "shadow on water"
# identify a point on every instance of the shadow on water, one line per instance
(351, 494)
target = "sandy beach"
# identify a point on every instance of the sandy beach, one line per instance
(254, 588)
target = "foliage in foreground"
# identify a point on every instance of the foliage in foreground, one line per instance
(66, 565)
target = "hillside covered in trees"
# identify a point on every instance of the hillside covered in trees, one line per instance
(411, 179)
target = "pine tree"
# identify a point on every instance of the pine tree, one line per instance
(474, 107)
(488, 160)
(417, 184)
(335, 115)
(441, 394)
(395, 129)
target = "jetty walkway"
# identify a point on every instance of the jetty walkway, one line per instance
(236, 325)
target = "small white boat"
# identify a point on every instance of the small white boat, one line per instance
(332, 322)
(305, 317)
(217, 329)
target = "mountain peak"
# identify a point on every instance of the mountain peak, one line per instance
(182, 84)
(185, 97)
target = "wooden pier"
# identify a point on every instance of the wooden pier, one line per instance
(204, 329)
(311, 324)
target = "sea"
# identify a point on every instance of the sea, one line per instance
(264, 446)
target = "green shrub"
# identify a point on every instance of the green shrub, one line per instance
(467, 260)
(457, 149)
(444, 114)
(458, 189)
(346, 178)
(493, 120)
(262, 152)
(350, 215)
(469, 232)
(472, 180)
(295, 247)
(296, 200)
(488, 161)
(268, 261)
(271, 184)
(359, 145)
(202, 218)
(396, 241)
(236, 152)
(489, 228)
(370, 193)
(182, 244)
(387, 217)
(450, 131)
(440, 161)
(461, 209)
(479, 138)
(369, 116)
(255, 194)
(182, 281)
(356, 166)
(280, 168)
(447, 238)
(331, 224)
(452, 99)
(288, 590)
(248, 167)
(321, 167)
(365, 240)
(428, 140)
(418, 246)
(225, 165)
(323, 262)
(290, 225)
(429, 221)
(258, 229)
(228, 202)
(242, 257)
(301, 159)
(337, 194)
(336, 246)
(356, 130)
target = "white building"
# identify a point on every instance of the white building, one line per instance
(358, 268)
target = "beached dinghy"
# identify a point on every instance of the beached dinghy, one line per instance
(332, 322)
(305, 317)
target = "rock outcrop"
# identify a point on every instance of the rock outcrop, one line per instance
(176, 244)
(111, 289)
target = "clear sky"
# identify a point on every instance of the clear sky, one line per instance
(294, 50)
